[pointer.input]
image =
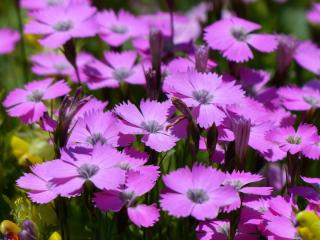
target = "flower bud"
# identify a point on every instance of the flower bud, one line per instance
(193, 138)
(201, 57)
(182, 107)
(69, 50)
(156, 46)
(285, 52)
(152, 85)
(69, 108)
(241, 129)
(29, 231)
(212, 139)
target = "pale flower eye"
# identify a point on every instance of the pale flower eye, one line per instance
(63, 26)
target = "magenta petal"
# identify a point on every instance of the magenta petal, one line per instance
(116, 176)
(108, 201)
(224, 196)
(129, 113)
(15, 97)
(238, 52)
(179, 180)
(69, 187)
(160, 142)
(176, 204)
(55, 40)
(282, 227)
(209, 114)
(21, 109)
(208, 210)
(32, 182)
(143, 215)
(57, 89)
(263, 42)
(263, 191)
(42, 197)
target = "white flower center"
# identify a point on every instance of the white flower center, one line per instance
(202, 96)
(96, 138)
(120, 29)
(197, 196)
(63, 26)
(151, 126)
(121, 74)
(35, 96)
(86, 171)
(239, 33)
(311, 100)
(294, 140)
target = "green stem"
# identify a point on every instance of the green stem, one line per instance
(23, 45)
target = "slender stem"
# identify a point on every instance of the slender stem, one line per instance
(171, 28)
(23, 45)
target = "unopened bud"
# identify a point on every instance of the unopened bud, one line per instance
(152, 85)
(156, 46)
(241, 129)
(29, 231)
(68, 109)
(182, 107)
(193, 138)
(212, 139)
(285, 53)
(201, 57)
(69, 50)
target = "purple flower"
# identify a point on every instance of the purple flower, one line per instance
(138, 183)
(307, 55)
(96, 127)
(291, 140)
(185, 64)
(43, 4)
(196, 192)
(38, 184)
(49, 63)
(9, 38)
(80, 167)
(313, 15)
(93, 104)
(119, 68)
(239, 181)
(232, 37)
(151, 121)
(116, 29)
(300, 99)
(27, 103)
(60, 24)
(206, 93)
(280, 219)
(213, 230)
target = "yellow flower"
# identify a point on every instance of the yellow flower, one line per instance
(55, 236)
(8, 227)
(308, 225)
(31, 150)
(22, 150)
